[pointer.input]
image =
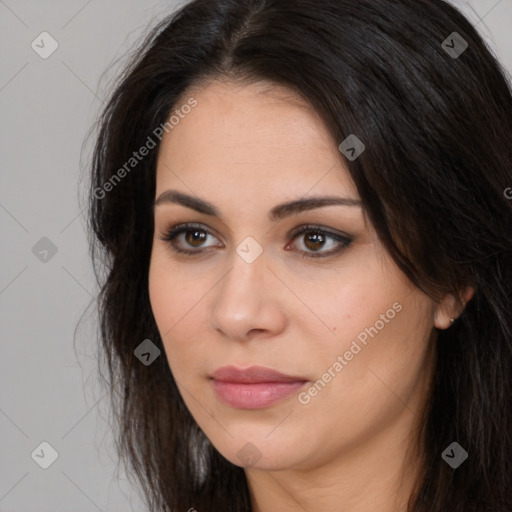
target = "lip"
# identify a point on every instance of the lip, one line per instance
(255, 387)
(252, 375)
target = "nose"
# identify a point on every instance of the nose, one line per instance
(249, 301)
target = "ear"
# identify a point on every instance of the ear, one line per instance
(451, 306)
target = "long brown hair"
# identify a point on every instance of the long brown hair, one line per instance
(437, 127)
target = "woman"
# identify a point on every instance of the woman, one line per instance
(307, 302)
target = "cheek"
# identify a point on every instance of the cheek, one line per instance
(162, 296)
(178, 306)
(352, 300)
(167, 299)
(170, 292)
(383, 350)
(377, 320)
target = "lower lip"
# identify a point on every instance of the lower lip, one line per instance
(254, 396)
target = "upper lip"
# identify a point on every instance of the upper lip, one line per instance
(252, 374)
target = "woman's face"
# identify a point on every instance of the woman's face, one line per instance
(327, 306)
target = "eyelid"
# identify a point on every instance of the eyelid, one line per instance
(193, 225)
(318, 227)
(342, 239)
(172, 233)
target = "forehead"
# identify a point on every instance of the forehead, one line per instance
(258, 139)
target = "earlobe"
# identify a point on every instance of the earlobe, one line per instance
(450, 308)
(444, 315)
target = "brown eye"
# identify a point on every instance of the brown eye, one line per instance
(314, 241)
(315, 238)
(189, 239)
(195, 237)
(186, 235)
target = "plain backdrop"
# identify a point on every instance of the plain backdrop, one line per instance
(48, 386)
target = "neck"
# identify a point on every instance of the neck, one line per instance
(380, 475)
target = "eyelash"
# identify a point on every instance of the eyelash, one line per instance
(345, 241)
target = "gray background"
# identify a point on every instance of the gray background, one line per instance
(47, 108)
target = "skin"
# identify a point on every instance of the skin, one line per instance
(246, 148)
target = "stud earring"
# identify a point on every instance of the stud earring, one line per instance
(452, 320)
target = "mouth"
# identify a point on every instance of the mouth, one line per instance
(256, 387)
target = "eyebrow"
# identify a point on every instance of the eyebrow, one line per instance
(276, 213)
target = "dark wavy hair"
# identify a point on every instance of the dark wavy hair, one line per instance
(433, 179)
